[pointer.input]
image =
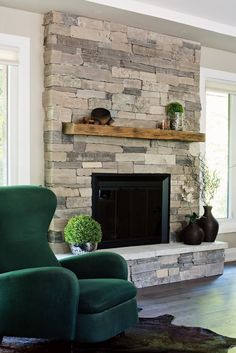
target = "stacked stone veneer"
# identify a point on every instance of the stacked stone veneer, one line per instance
(174, 268)
(132, 72)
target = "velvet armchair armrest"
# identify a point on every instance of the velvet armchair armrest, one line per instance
(97, 265)
(39, 302)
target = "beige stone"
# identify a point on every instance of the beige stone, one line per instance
(62, 191)
(85, 192)
(123, 98)
(83, 181)
(137, 34)
(125, 167)
(52, 125)
(147, 76)
(83, 93)
(132, 83)
(58, 113)
(75, 202)
(58, 29)
(125, 73)
(173, 271)
(55, 156)
(90, 23)
(92, 165)
(159, 159)
(130, 157)
(61, 176)
(157, 110)
(90, 34)
(121, 46)
(93, 147)
(59, 147)
(64, 81)
(162, 273)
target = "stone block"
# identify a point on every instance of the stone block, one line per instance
(91, 165)
(168, 260)
(214, 269)
(125, 167)
(61, 176)
(85, 192)
(123, 99)
(90, 34)
(174, 271)
(83, 93)
(75, 202)
(129, 157)
(121, 72)
(162, 273)
(159, 159)
(83, 181)
(62, 191)
(65, 81)
(132, 83)
(55, 156)
(194, 272)
(137, 35)
(90, 23)
(145, 267)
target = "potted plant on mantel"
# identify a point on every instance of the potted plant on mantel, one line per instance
(174, 111)
(83, 234)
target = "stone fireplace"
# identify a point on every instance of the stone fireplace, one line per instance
(132, 72)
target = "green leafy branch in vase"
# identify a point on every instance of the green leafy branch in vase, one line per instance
(206, 181)
(188, 196)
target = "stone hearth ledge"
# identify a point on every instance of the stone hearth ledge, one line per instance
(156, 264)
(153, 250)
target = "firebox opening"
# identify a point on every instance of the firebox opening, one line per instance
(133, 209)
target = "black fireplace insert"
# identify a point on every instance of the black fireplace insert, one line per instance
(133, 209)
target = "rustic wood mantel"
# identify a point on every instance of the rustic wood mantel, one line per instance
(131, 132)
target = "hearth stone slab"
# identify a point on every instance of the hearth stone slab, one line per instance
(156, 264)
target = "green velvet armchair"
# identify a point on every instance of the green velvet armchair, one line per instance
(84, 298)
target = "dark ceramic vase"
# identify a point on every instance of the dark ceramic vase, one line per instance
(209, 224)
(192, 234)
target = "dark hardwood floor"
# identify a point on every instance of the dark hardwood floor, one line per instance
(208, 302)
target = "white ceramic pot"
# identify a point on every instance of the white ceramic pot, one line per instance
(78, 249)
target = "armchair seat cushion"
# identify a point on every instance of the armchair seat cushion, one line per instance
(100, 294)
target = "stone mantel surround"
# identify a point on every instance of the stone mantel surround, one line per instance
(132, 72)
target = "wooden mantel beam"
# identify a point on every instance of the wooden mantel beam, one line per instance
(131, 132)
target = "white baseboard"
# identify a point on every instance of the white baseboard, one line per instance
(230, 254)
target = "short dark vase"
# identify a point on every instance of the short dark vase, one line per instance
(209, 224)
(192, 234)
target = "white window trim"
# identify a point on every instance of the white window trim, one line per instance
(19, 119)
(229, 225)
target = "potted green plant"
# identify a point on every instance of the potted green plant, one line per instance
(83, 234)
(174, 111)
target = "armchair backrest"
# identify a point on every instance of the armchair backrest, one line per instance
(25, 215)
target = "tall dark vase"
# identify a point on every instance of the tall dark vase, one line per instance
(209, 224)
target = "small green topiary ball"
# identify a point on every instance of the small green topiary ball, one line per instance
(82, 229)
(174, 107)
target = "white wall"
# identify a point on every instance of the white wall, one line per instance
(29, 25)
(218, 59)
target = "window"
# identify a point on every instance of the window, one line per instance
(3, 125)
(14, 110)
(218, 94)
